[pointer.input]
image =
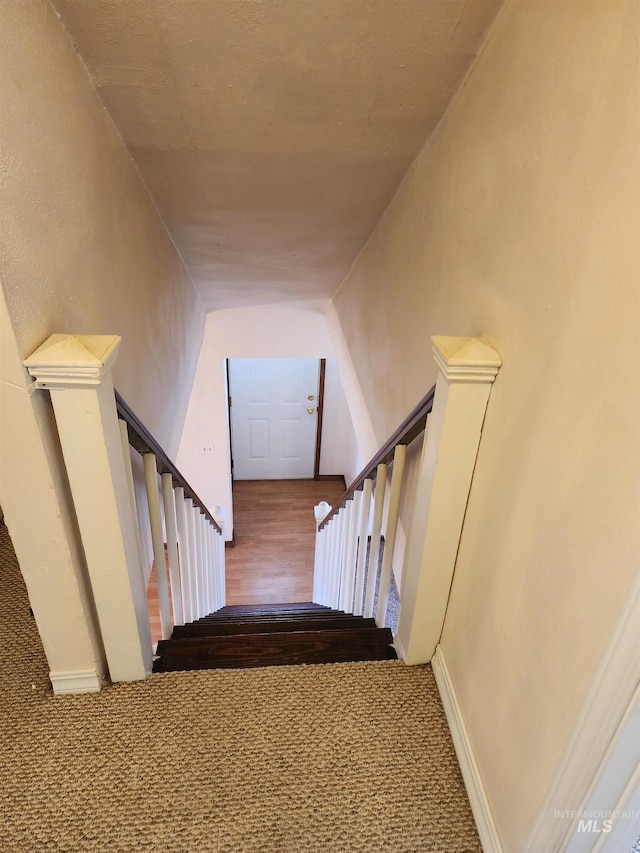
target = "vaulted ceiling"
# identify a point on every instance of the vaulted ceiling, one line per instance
(272, 134)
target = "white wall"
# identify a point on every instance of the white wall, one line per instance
(83, 250)
(336, 452)
(253, 333)
(519, 222)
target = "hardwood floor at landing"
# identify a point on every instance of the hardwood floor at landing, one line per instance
(275, 539)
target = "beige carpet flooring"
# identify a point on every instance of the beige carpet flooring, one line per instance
(345, 757)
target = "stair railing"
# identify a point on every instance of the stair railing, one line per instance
(352, 535)
(345, 575)
(76, 372)
(191, 535)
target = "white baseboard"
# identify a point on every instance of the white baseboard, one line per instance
(75, 681)
(480, 807)
(397, 645)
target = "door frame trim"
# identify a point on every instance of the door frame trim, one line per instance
(321, 378)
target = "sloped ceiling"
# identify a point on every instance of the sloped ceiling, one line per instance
(272, 134)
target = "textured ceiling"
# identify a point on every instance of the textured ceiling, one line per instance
(273, 133)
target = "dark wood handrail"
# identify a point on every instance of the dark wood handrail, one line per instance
(410, 428)
(141, 440)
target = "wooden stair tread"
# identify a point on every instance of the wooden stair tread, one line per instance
(260, 626)
(274, 617)
(275, 649)
(271, 608)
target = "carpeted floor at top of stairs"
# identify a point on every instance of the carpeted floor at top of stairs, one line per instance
(342, 757)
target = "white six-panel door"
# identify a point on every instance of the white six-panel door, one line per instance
(273, 417)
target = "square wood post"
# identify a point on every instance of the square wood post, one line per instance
(76, 370)
(467, 367)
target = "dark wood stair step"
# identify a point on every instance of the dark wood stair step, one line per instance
(251, 625)
(254, 609)
(275, 649)
(214, 619)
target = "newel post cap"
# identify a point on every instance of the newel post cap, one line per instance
(67, 361)
(466, 359)
(321, 511)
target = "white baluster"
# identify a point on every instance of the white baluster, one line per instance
(323, 578)
(183, 553)
(376, 534)
(210, 570)
(325, 588)
(395, 493)
(212, 567)
(204, 524)
(343, 598)
(193, 558)
(157, 538)
(205, 564)
(206, 538)
(126, 453)
(331, 560)
(216, 568)
(172, 547)
(365, 510)
(320, 512)
(197, 527)
(222, 570)
(219, 514)
(350, 566)
(337, 553)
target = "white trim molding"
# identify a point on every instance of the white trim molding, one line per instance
(75, 681)
(608, 703)
(476, 792)
(69, 361)
(466, 359)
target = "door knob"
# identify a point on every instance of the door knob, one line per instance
(310, 409)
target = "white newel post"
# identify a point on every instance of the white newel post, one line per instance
(76, 370)
(467, 367)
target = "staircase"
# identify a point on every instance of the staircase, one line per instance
(243, 636)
